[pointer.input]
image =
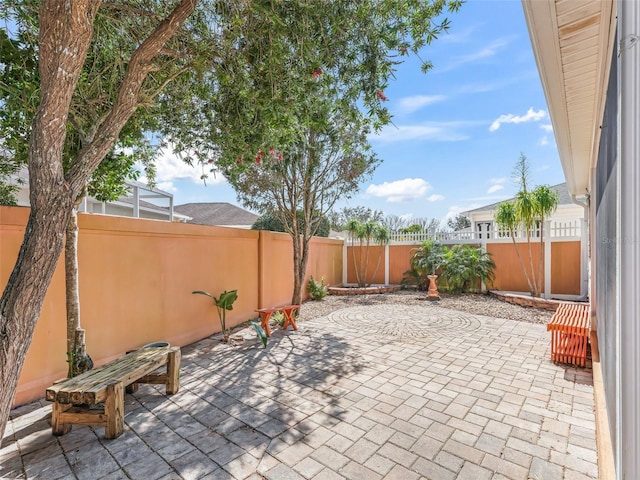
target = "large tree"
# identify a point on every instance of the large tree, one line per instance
(302, 186)
(19, 82)
(320, 63)
(65, 36)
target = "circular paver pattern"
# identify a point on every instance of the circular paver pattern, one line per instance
(405, 321)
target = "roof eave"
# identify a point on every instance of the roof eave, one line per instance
(587, 26)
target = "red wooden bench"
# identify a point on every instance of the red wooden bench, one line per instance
(288, 312)
(570, 328)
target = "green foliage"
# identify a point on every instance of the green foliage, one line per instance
(460, 268)
(429, 257)
(317, 289)
(223, 303)
(364, 234)
(272, 222)
(262, 335)
(19, 97)
(268, 221)
(464, 267)
(415, 228)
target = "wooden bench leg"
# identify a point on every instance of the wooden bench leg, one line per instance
(265, 317)
(57, 426)
(289, 318)
(114, 411)
(133, 388)
(173, 372)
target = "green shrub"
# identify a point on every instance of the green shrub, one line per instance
(317, 289)
(460, 268)
(465, 267)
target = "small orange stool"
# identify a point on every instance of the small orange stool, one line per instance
(288, 312)
(570, 328)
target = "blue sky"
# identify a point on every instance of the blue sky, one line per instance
(457, 131)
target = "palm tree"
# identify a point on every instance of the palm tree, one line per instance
(546, 202)
(529, 210)
(354, 227)
(381, 236)
(507, 217)
(365, 234)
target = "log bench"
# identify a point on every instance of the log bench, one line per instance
(74, 397)
(570, 328)
(289, 318)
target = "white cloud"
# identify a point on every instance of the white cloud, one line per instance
(544, 141)
(436, 131)
(167, 187)
(485, 52)
(547, 127)
(456, 209)
(169, 167)
(497, 184)
(462, 36)
(416, 102)
(436, 197)
(400, 190)
(530, 116)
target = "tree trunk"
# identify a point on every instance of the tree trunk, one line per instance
(65, 31)
(541, 258)
(65, 34)
(77, 357)
(524, 269)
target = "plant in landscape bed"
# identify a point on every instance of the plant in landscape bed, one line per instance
(426, 260)
(317, 289)
(461, 268)
(464, 267)
(223, 303)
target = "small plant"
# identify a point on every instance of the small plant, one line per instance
(317, 289)
(262, 335)
(224, 303)
(278, 318)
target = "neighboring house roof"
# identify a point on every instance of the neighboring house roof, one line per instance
(561, 189)
(217, 213)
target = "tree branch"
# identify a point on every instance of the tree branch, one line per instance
(127, 101)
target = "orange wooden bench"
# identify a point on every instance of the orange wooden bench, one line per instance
(570, 328)
(288, 312)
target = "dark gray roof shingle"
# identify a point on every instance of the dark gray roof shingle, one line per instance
(216, 213)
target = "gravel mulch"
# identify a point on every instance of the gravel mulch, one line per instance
(469, 302)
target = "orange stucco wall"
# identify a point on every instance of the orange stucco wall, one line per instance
(136, 279)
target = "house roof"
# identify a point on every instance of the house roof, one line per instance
(216, 213)
(572, 43)
(560, 189)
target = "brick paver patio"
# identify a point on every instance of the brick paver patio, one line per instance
(369, 392)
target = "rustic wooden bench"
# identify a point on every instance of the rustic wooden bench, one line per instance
(289, 318)
(570, 328)
(74, 397)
